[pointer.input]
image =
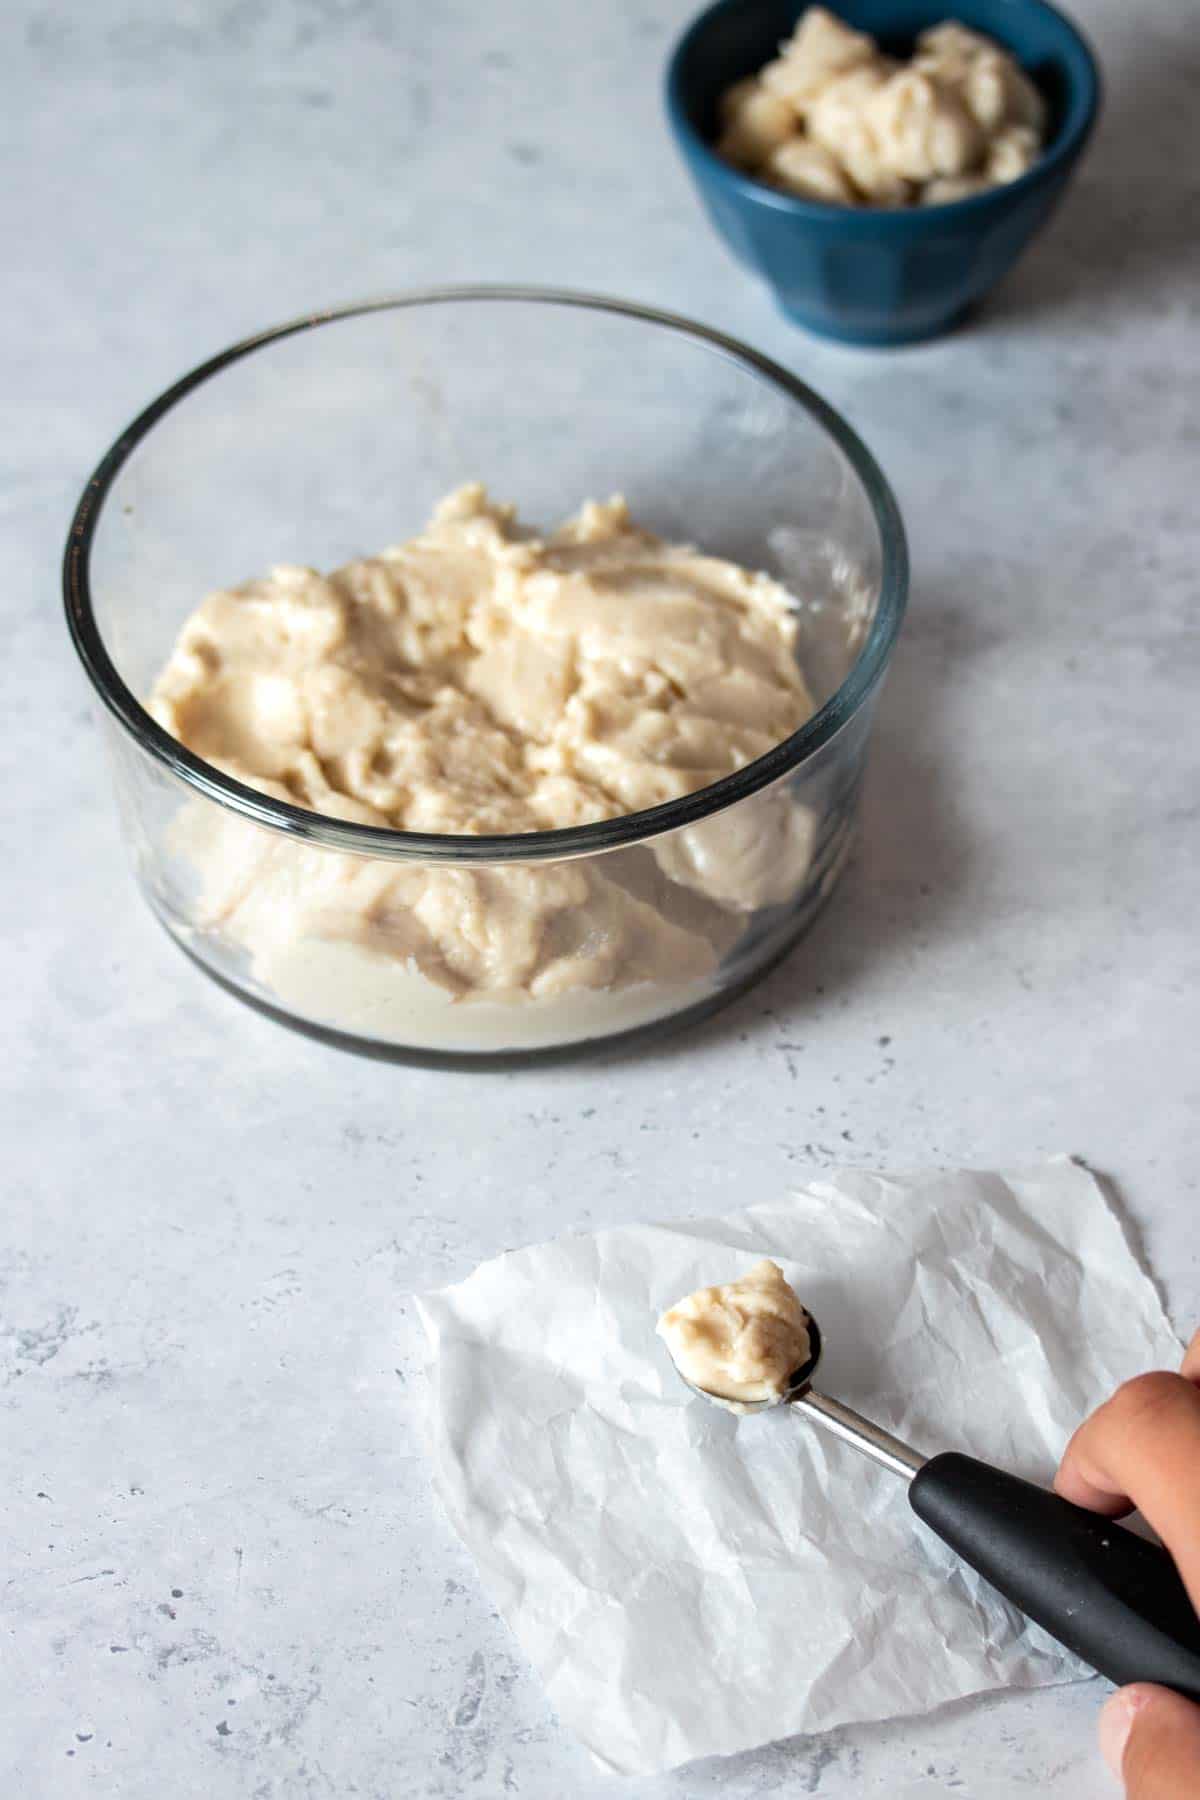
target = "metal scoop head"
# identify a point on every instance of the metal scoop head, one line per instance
(888, 1451)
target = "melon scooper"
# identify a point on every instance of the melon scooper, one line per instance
(1115, 1600)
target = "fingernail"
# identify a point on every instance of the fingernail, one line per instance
(1116, 1722)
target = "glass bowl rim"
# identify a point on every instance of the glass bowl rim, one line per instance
(576, 840)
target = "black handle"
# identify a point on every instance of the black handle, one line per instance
(1112, 1598)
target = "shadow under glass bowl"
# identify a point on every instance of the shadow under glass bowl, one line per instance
(335, 435)
(868, 275)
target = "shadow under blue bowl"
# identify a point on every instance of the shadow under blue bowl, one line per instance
(863, 274)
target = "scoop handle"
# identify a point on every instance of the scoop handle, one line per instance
(1114, 1599)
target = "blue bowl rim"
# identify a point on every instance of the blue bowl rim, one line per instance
(1060, 153)
(784, 758)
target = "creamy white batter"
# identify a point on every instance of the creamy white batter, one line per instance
(477, 680)
(741, 1341)
(832, 118)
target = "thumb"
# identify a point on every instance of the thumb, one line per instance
(1151, 1740)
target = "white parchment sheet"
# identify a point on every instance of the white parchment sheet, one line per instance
(690, 1584)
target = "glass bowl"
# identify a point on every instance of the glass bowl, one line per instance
(335, 435)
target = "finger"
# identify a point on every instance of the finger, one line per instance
(1191, 1359)
(1142, 1448)
(1145, 1416)
(1151, 1741)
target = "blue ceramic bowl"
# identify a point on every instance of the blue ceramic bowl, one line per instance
(863, 274)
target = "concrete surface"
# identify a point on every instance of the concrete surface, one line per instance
(224, 1575)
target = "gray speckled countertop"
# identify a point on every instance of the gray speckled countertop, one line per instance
(224, 1575)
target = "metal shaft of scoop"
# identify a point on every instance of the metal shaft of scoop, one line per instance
(852, 1428)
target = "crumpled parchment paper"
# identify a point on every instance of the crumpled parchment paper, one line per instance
(690, 1584)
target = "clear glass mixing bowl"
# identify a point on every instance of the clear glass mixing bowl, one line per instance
(335, 435)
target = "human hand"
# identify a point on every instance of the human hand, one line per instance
(1142, 1449)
